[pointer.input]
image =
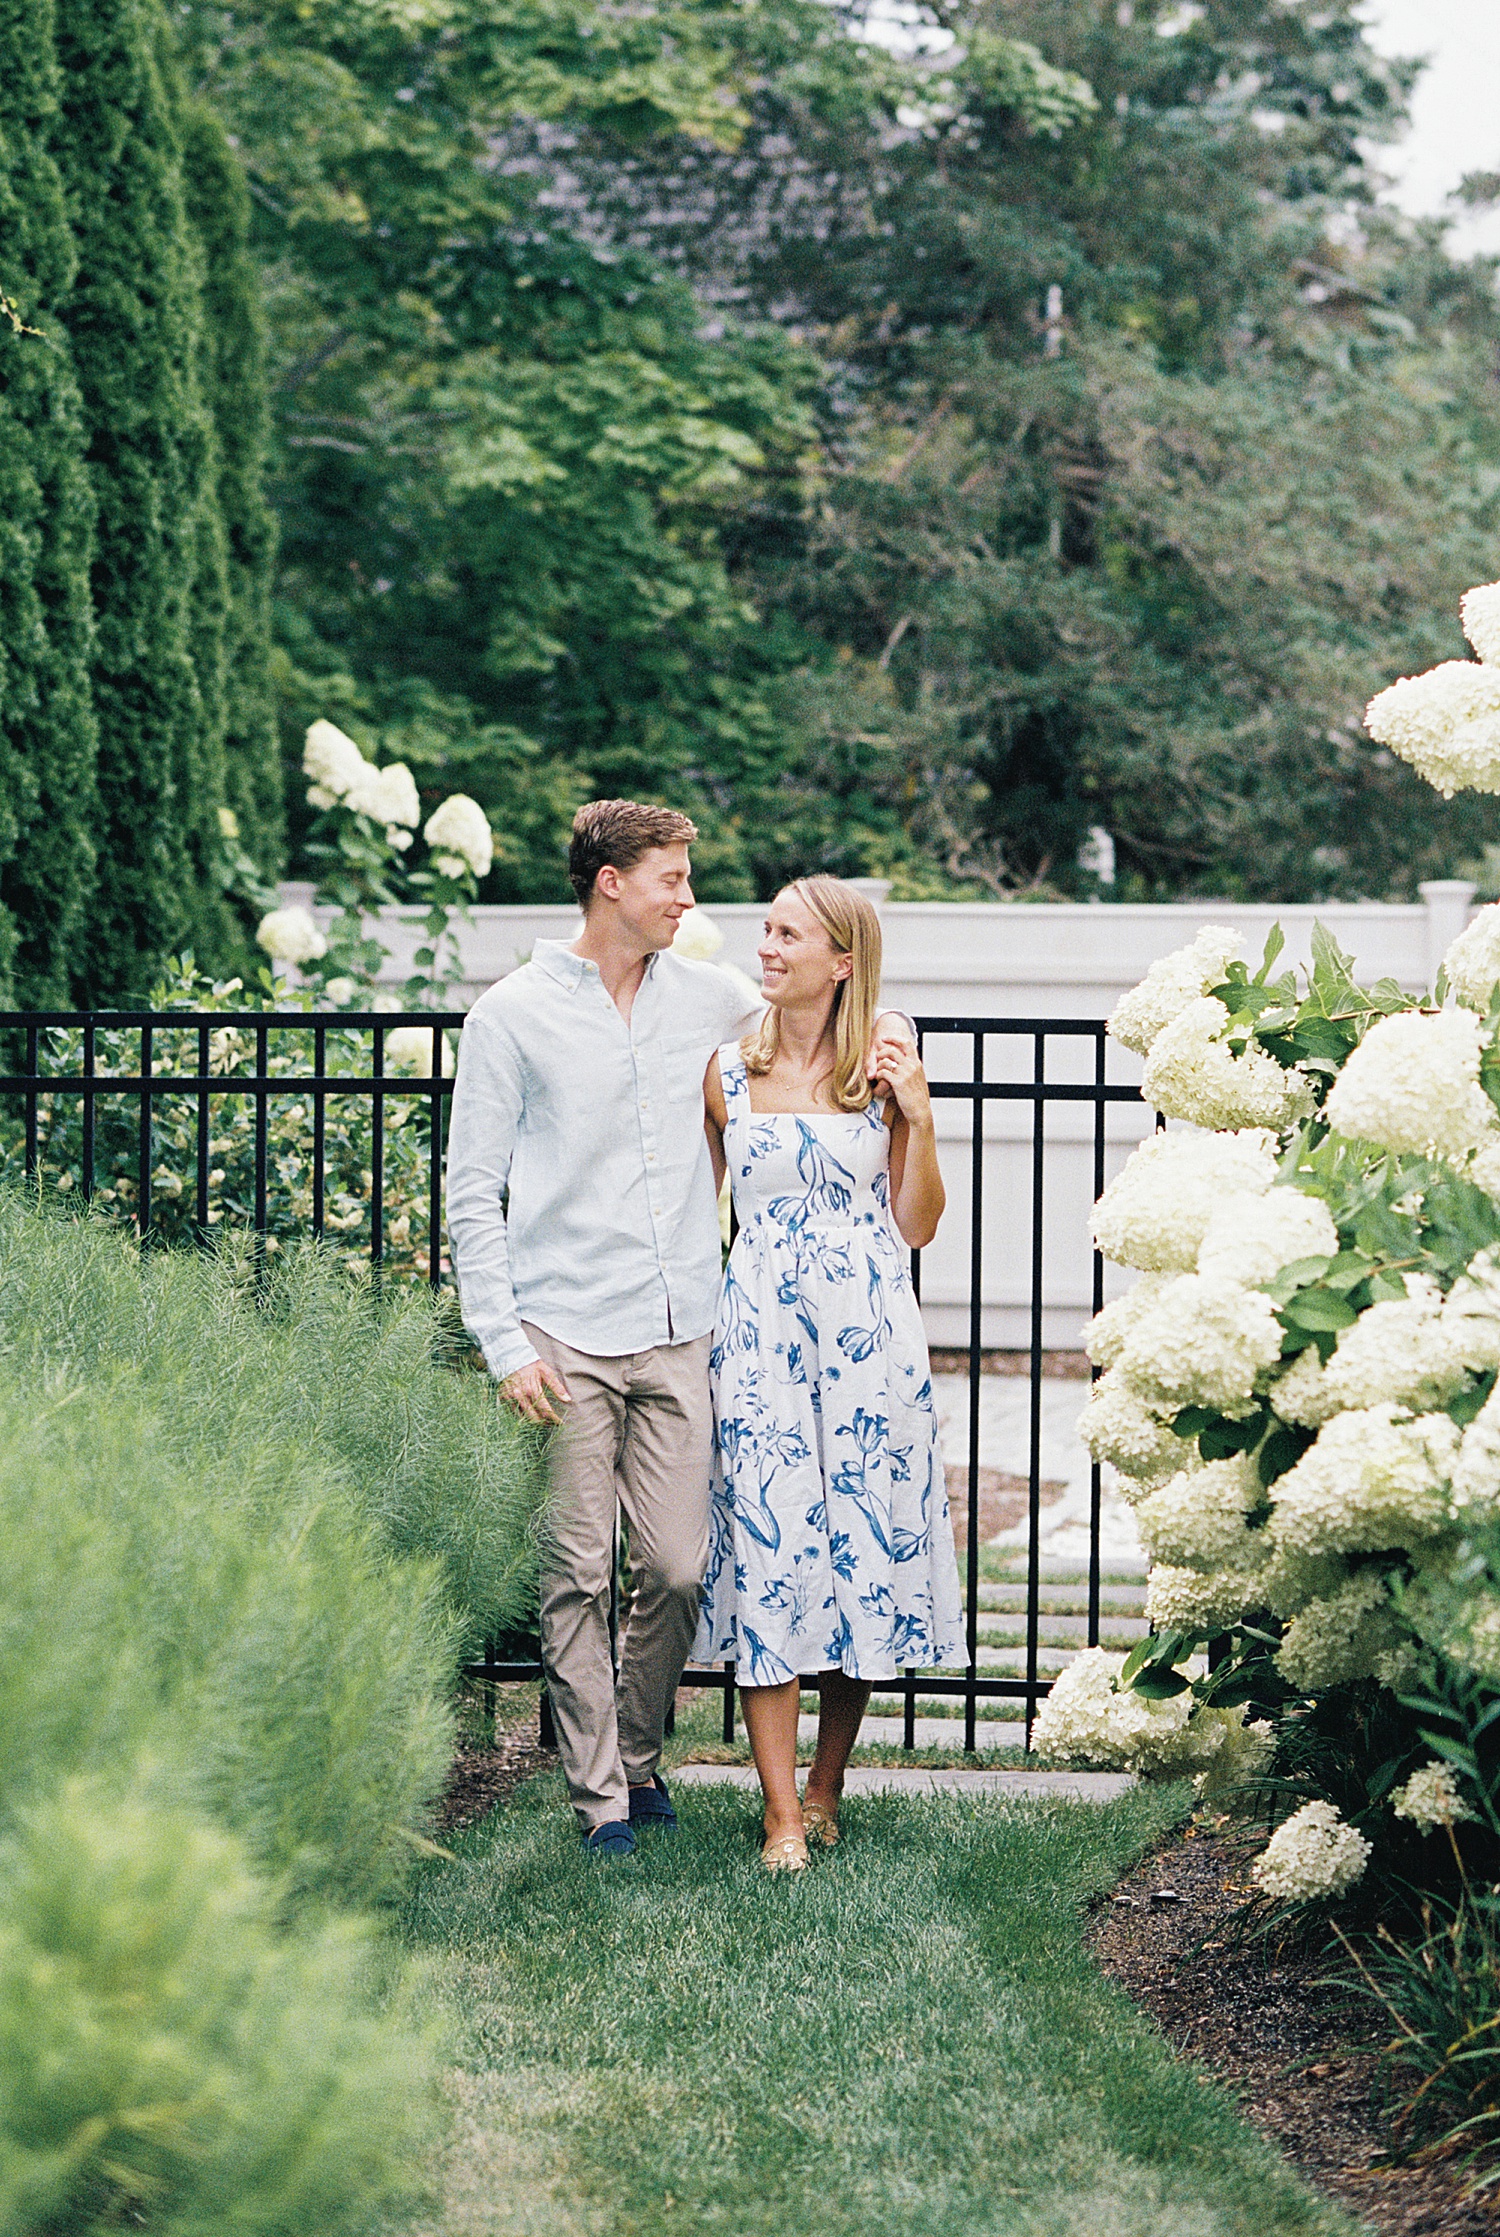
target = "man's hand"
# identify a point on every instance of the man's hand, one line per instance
(530, 1390)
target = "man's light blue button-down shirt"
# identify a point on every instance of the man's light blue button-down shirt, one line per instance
(608, 1237)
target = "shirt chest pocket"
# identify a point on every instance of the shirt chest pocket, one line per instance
(680, 1062)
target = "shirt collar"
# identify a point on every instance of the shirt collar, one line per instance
(557, 959)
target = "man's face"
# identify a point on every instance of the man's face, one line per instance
(652, 897)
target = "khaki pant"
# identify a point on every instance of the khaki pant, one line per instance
(640, 1431)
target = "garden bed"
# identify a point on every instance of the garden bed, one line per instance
(1299, 2054)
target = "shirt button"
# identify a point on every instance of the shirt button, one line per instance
(650, 1157)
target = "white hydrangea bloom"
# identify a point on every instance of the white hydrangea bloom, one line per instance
(408, 1048)
(1446, 723)
(333, 761)
(1431, 1797)
(458, 831)
(697, 937)
(341, 991)
(1340, 1637)
(1406, 1350)
(1471, 1314)
(1476, 1473)
(290, 936)
(1172, 982)
(1479, 610)
(1315, 1854)
(1473, 961)
(1291, 1580)
(1413, 1084)
(1084, 1723)
(1198, 1600)
(1301, 1395)
(1105, 1337)
(1193, 1074)
(1119, 1429)
(1374, 1479)
(1197, 1520)
(387, 796)
(1155, 1213)
(1204, 1344)
(1250, 1238)
(1242, 1754)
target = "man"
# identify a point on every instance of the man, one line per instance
(585, 1238)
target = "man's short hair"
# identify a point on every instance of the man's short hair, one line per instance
(620, 832)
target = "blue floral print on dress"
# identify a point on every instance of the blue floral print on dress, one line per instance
(831, 1544)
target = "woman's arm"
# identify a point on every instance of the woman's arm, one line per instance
(917, 1193)
(715, 1118)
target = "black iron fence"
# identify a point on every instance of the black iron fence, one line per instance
(333, 1125)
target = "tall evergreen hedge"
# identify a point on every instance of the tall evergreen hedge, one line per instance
(48, 737)
(135, 542)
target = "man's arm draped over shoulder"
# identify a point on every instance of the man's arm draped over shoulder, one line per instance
(481, 1144)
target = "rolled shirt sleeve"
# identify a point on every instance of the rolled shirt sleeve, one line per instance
(487, 1099)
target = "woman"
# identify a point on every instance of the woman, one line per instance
(832, 1548)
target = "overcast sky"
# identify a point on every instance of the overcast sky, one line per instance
(1456, 108)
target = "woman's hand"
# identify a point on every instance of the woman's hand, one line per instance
(898, 1069)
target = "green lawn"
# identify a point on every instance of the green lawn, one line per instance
(909, 2040)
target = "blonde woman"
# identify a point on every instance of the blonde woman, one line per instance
(832, 1547)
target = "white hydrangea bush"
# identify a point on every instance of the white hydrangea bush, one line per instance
(1298, 1395)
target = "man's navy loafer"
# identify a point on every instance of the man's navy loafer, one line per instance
(652, 1805)
(612, 1840)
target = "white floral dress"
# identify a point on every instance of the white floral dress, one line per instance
(831, 1543)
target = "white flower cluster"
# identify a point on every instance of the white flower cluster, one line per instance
(1193, 1074)
(1156, 1212)
(1197, 1520)
(1476, 1475)
(1203, 1345)
(340, 772)
(697, 937)
(1118, 1428)
(1250, 1239)
(408, 1048)
(458, 831)
(1446, 723)
(1473, 961)
(1430, 1797)
(1083, 1722)
(1109, 1331)
(1413, 1085)
(1414, 1351)
(1340, 1637)
(1479, 611)
(1197, 1599)
(291, 936)
(1172, 982)
(1374, 1479)
(1313, 1855)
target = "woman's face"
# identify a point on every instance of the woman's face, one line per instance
(798, 962)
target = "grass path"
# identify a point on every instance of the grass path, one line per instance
(908, 2040)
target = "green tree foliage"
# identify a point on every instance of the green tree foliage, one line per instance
(47, 736)
(133, 317)
(233, 375)
(668, 402)
(1139, 565)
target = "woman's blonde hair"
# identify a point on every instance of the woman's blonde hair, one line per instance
(853, 929)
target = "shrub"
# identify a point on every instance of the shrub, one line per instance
(250, 1521)
(169, 2057)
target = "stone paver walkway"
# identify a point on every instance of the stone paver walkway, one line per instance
(1073, 1786)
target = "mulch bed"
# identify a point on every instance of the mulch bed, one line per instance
(1296, 2054)
(1004, 1500)
(482, 1776)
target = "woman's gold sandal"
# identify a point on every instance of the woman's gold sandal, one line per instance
(822, 1825)
(787, 1853)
